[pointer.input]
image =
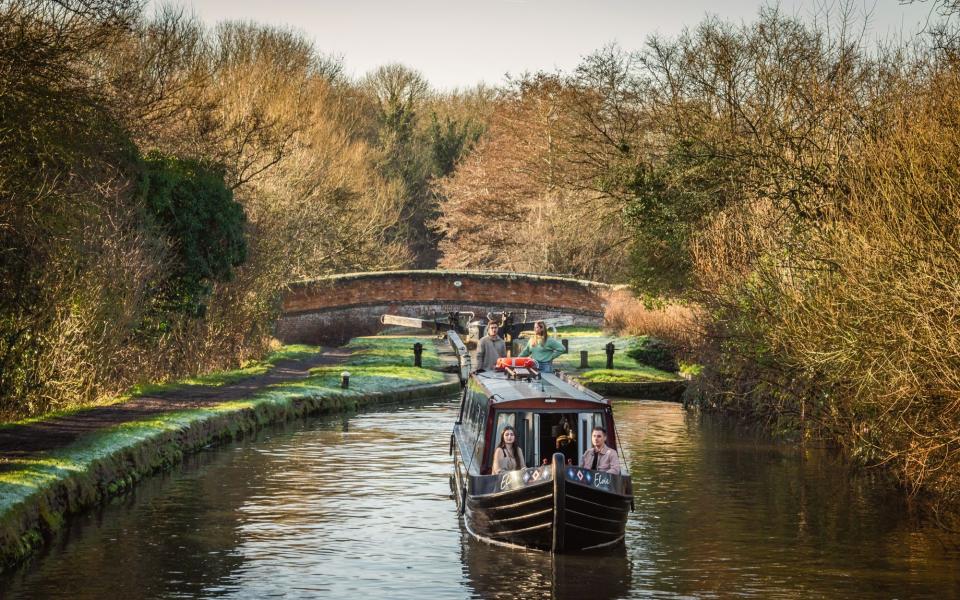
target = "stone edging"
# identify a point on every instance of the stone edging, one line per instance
(28, 524)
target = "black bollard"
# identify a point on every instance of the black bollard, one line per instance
(610, 349)
(566, 344)
(417, 351)
(345, 379)
(583, 360)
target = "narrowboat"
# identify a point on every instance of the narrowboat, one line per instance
(552, 504)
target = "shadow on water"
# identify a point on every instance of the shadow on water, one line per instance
(496, 572)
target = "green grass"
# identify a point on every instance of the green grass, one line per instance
(255, 367)
(377, 364)
(690, 369)
(215, 379)
(577, 331)
(366, 378)
(624, 376)
(221, 378)
(292, 352)
(391, 350)
(396, 350)
(594, 341)
(34, 473)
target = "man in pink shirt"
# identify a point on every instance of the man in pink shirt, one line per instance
(600, 457)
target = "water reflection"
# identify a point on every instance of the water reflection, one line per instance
(724, 511)
(171, 537)
(495, 572)
(359, 506)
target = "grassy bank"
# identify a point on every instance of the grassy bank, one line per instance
(37, 492)
(594, 341)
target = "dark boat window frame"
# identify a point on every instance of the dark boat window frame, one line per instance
(533, 459)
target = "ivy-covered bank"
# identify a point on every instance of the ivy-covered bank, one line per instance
(39, 490)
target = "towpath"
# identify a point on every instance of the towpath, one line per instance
(29, 439)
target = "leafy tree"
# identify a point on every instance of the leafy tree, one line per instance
(190, 202)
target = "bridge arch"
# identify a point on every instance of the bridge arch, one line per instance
(339, 306)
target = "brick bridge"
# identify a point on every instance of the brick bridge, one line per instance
(342, 306)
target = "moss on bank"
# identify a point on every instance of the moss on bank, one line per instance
(37, 493)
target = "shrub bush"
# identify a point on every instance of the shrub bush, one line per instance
(655, 353)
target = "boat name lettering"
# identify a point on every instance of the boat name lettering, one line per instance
(602, 480)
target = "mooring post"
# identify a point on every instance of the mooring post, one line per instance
(417, 351)
(566, 344)
(610, 349)
(345, 379)
(583, 360)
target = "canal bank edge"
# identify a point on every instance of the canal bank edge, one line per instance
(111, 462)
(671, 391)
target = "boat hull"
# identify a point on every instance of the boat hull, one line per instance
(556, 507)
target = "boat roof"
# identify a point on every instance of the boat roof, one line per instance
(503, 389)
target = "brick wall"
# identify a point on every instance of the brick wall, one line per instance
(335, 306)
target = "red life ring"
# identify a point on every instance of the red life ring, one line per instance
(514, 362)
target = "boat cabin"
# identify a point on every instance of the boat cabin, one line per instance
(549, 413)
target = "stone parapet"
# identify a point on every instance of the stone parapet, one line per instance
(351, 304)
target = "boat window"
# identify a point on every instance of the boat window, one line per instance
(587, 421)
(468, 414)
(504, 419)
(553, 432)
(530, 422)
(480, 415)
(474, 414)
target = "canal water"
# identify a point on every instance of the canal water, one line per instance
(359, 506)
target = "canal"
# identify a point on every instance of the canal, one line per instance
(359, 506)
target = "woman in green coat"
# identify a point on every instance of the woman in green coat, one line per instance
(543, 348)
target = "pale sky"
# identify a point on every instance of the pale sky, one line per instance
(457, 43)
